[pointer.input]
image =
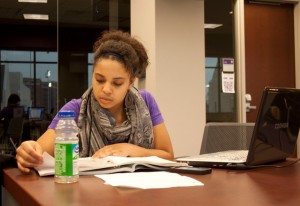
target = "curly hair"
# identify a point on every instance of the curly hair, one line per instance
(121, 46)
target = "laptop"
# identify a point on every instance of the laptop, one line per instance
(36, 113)
(274, 135)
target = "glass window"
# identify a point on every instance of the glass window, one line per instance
(212, 74)
(16, 78)
(211, 62)
(46, 56)
(90, 58)
(46, 86)
(16, 56)
(216, 100)
(35, 81)
(219, 43)
(90, 67)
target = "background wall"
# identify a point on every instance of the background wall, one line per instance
(173, 33)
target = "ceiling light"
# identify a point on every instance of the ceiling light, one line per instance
(32, 1)
(36, 16)
(212, 26)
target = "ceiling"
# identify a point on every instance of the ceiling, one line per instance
(73, 13)
(95, 13)
(98, 13)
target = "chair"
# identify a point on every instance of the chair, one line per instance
(13, 135)
(18, 112)
(12, 112)
(223, 136)
(4, 124)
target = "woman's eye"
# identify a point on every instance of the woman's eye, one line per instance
(117, 84)
(100, 81)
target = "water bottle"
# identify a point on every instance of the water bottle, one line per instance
(66, 149)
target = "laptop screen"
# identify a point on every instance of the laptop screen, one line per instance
(277, 126)
(36, 113)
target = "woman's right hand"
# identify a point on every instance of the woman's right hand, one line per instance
(29, 155)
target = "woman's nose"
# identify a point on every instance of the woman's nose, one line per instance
(107, 88)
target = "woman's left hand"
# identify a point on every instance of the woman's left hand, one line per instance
(121, 149)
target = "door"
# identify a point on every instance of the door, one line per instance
(269, 50)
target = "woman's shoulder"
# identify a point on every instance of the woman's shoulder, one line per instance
(75, 101)
(152, 106)
(73, 104)
(148, 97)
(146, 94)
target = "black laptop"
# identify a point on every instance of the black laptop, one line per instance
(274, 135)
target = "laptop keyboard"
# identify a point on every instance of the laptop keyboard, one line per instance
(230, 156)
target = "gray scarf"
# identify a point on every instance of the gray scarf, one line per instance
(97, 126)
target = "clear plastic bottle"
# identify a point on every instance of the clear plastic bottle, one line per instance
(66, 149)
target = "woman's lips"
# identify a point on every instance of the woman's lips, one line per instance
(105, 100)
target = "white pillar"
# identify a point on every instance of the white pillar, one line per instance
(240, 59)
(173, 34)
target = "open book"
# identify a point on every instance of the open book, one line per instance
(111, 164)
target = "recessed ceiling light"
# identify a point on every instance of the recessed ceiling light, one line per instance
(36, 16)
(212, 26)
(33, 1)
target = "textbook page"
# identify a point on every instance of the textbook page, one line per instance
(89, 163)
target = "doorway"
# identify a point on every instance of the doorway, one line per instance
(269, 50)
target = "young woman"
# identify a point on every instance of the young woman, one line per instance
(113, 117)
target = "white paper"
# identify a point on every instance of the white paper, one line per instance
(48, 165)
(228, 82)
(149, 180)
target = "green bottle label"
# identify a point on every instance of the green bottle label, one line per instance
(66, 156)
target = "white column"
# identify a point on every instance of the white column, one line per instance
(240, 59)
(173, 33)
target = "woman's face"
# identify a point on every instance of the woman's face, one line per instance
(110, 83)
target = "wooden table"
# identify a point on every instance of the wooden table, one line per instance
(264, 186)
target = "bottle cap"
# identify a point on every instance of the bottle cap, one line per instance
(66, 114)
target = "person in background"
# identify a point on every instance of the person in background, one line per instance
(113, 117)
(13, 102)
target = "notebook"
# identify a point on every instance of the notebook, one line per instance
(274, 134)
(36, 113)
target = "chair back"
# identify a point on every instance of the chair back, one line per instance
(15, 131)
(18, 112)
(221, 136)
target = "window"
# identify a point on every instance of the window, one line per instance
(219, 44)
(90, 68)
(32, 75)
(212, 73)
